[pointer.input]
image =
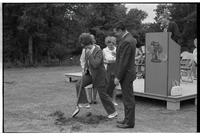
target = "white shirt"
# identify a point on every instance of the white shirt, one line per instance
(195, 55)
(108, 55)
(82, 58)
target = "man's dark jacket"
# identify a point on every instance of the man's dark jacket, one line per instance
(173, 27)
(125, 58)
(97, 68)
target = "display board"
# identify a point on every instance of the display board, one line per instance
(162, 65)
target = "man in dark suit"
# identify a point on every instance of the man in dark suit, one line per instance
(125, 73)
(170, 26)
(95, 73)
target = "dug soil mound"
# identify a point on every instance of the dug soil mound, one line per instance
(87, 118)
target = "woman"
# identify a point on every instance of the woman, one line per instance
(92, 93)
(109, 55)
(94, 73)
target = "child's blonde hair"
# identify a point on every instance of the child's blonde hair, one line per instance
(111, 39)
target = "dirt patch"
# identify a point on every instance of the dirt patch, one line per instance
(77, 123)
(88, 118)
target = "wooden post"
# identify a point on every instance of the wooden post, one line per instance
(173, 105)
(195, 101)
(70, 79)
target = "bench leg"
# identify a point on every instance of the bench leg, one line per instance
(173, 105)
(89, 94)
(70, 79)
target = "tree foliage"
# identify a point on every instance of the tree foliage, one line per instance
(35, 33)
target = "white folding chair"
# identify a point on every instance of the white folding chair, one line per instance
(186, 65)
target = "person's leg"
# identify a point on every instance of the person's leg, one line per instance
(89, 91)
(94, 95)
(110, 78)
(143, 71)
(128, 101)
(114, 97)
(106, 100)
(139, 71)
(111, 89)
(86, 80)
(194, 70)
(110, 86)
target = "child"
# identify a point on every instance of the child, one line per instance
(109, 55)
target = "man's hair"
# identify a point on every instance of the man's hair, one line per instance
(166, 14)
(120, 26)
(85, 39)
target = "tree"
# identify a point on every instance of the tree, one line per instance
(32, 24)
(35, 32)
(136, 14)
(13, 48)
(160, 9)
(101, 17)
(185, 17)
(133, 21)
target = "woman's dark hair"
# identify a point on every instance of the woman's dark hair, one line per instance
(85, 39)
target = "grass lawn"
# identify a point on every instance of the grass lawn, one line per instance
(39, 100)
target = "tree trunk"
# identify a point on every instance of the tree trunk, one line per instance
(30, 50)
(48, 57)
(36, 55)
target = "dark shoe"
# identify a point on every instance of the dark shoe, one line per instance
(94, 102)
(121, 122)
(125, 126)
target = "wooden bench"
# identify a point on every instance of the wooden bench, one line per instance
(77, 75)
(69, 76)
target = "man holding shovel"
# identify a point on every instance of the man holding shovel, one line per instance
(95, 73)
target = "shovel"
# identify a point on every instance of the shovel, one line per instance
(77, 110)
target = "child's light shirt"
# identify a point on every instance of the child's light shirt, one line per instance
(108, 55)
